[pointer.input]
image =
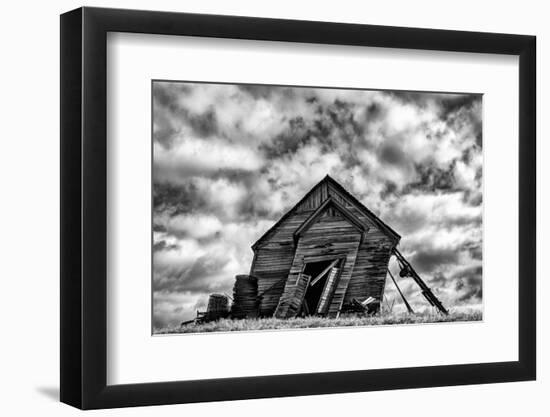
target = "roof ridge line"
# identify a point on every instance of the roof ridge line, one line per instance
(328, 178)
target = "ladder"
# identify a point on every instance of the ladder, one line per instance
(408, 271)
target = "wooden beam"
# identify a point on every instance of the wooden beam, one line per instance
(367, 301)
(328, 268)
(426, 291)
(409, 308)
(305, 308)
(323, 302)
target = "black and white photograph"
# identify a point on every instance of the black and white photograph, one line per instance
(243, 208)
(280, 207)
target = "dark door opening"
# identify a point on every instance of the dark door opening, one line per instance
(316, 285)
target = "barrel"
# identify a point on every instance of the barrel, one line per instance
(218, 307)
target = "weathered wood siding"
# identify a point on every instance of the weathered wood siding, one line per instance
(369, 274)
(315, 198)
(273, 260)
(278, 257)
(283, 232)
(330, 237)
(291, 299)
(327, 291)
(271, 266)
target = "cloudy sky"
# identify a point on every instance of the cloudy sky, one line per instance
(229, 160)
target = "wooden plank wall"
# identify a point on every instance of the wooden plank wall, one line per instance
(315, 199)
(291, 299)
(283, 233)
(331, 238)
(273, 260)
(271, 266)
(369, 274)
(276, 258)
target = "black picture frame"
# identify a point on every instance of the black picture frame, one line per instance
(84, 207)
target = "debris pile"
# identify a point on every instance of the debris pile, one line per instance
(369, 305)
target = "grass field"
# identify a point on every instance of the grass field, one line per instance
(228, 325)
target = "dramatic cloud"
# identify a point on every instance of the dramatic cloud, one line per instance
(229, 160)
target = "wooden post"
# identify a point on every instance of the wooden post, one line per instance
(407, 269)
(409, 308)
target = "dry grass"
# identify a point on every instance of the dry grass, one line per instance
(228, 325)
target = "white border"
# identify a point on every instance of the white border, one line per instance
(134, 356)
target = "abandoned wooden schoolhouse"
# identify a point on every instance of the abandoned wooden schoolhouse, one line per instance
(326, 251)
(327, 255)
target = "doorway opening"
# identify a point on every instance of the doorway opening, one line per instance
(323, 274)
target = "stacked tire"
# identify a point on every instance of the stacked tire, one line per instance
(245, 297)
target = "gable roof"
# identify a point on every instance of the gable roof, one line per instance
(330, 202)
(328, 179)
